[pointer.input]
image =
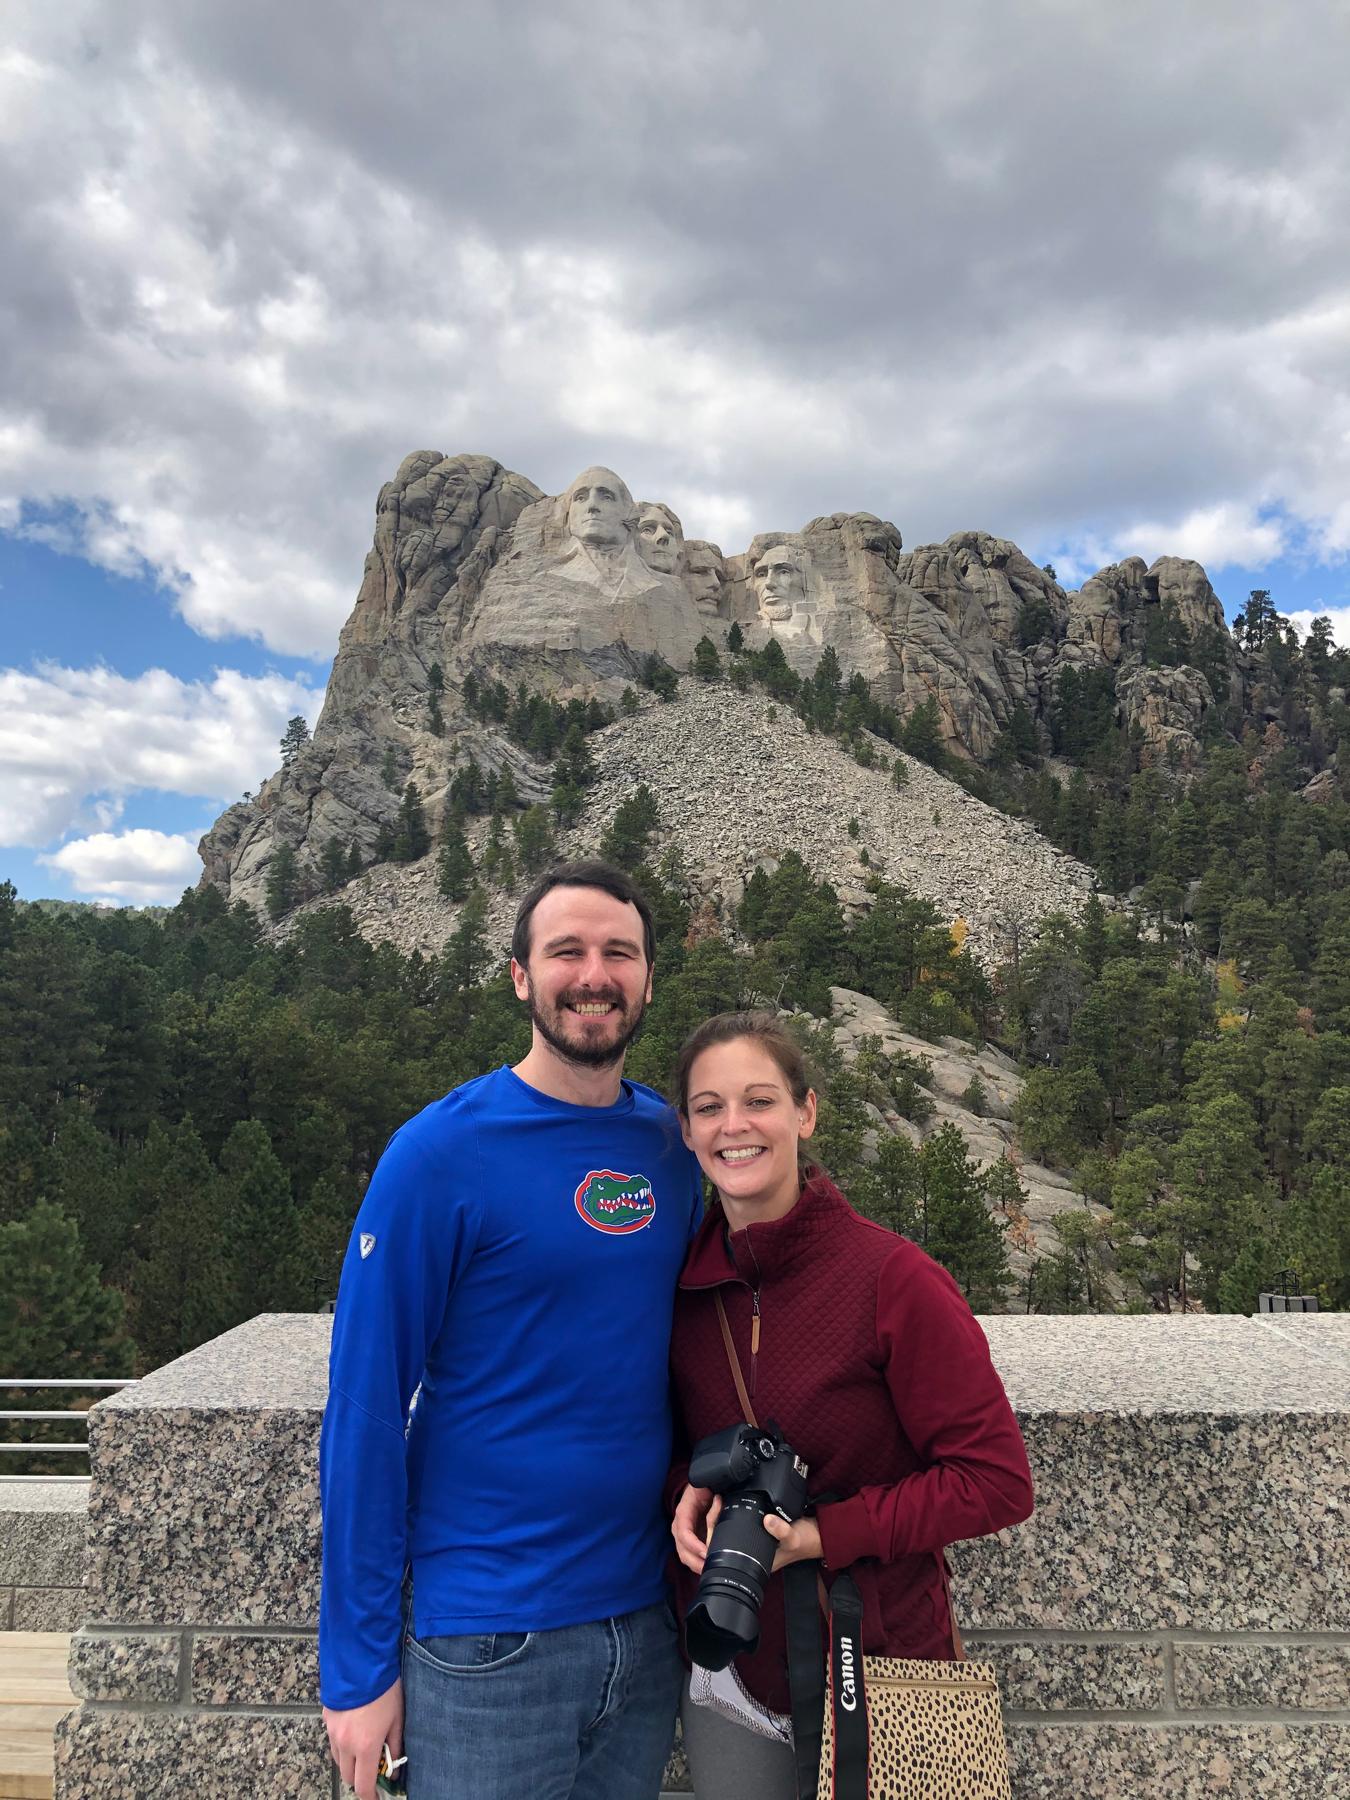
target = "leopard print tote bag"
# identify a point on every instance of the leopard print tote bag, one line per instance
(902, 1729)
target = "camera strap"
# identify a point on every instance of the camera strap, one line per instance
(804, 1599)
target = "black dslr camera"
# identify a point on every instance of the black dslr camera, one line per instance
(756, 1472)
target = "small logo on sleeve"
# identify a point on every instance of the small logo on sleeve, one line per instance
(615, 1203)
(367, 1244)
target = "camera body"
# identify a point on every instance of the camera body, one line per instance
(756, 1472)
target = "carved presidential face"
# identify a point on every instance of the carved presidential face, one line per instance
(660, 536)
(599, 508)
(704, 574)
(778, 582)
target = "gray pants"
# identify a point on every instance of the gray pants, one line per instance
(727, 1762)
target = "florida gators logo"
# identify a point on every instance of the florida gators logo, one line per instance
(615, 1203)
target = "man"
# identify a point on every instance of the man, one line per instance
(515, 1255)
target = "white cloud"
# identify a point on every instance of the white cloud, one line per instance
(1340, 622)
(1076, 277)
(140, 867)
(74, 743)
(1222, 537)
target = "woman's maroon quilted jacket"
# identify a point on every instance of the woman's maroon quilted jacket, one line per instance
(872, 1366)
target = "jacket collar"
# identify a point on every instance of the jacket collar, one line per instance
(769, 1246)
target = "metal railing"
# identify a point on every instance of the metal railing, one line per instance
(27, 1446)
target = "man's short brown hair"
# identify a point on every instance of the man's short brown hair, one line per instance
(594, 874)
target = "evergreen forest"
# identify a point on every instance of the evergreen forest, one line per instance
(190, 1109)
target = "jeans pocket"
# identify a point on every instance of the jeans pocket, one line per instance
(471, 1652)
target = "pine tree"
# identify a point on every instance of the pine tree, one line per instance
(283, 882)
(389, 769)
(132, 1050)
(412, 839)
(466, 957)
(508, 795)
(435, 694)
(454, 864)
(467, 791)
(180, 1286)
(735, 639)
(628, 703)
(48, 1036)
(86, 1178)
(921, 734)
(332, 865)
(534, 839)
(264, 1231)
(956, 1227)
(293, 741)
(55, 1315)
(625, 842)
(23, 1160)
(707, 664)
(354, 863)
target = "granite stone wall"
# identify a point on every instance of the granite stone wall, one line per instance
(1174, 1620)
(42, 1533)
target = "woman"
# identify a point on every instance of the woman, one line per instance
(862, 1350)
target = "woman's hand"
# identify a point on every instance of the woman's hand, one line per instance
(796, 1543)
(692, 1525)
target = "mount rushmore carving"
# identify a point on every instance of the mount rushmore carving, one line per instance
(474, 569)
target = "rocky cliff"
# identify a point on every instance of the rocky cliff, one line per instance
(474, 572)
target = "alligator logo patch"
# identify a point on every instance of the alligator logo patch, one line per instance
(615, 1203)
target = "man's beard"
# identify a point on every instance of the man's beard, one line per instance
(584, 1055)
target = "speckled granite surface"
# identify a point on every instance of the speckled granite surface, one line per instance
(49, 1609)
(241, 1669)
(1152, 1365)
(1274, 1677)
(1039, 1676)
(1192, 1477)
(125, 1665)
(1177, 1762)
(1316, 1334)
(42, 1533)
(209, 1517)
(115, 1755)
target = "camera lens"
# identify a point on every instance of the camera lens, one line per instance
(723, 1622)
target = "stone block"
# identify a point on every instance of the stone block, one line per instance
(113, 1665)
(50, 1609)
(42, 1525)
(205, 1498)
(1149, 1761)
(1283, 1677)
(248, 1669)
(102, 1754)
(1190, 1473)
(1037, 1675)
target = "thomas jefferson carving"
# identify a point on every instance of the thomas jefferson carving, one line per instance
(660, 537)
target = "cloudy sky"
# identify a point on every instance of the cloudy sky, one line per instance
(1078, 275)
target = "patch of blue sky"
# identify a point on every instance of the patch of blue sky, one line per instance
(61, 608)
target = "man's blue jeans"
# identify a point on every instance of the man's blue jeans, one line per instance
(586, 1712)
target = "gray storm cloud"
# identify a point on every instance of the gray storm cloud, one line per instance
(1070, 275)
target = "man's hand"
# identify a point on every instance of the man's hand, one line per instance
(356, 1736)
(796, 1543)
(693, 1524)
